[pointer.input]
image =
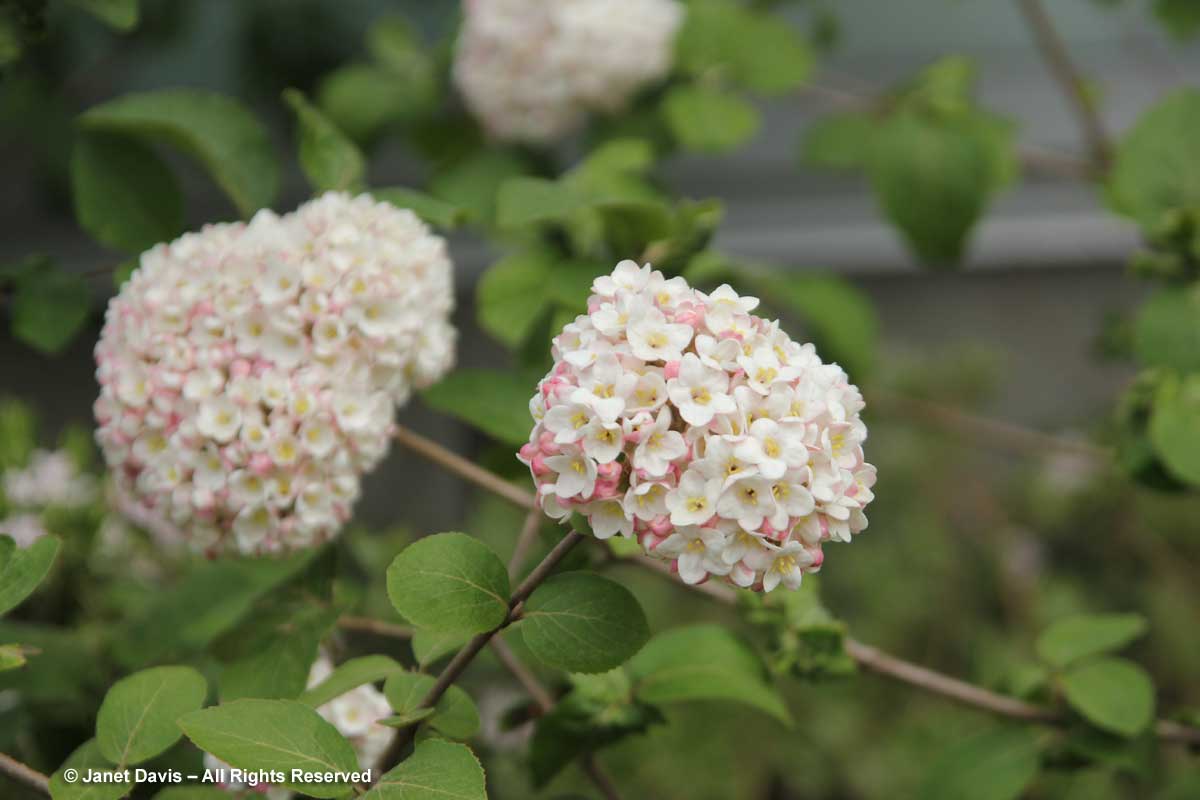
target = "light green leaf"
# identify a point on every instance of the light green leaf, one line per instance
(408, 718)
(431, 646)
(758, 50)
(449, 582)
(137, 719)
(217, 130)
(125, 196)
(454, 715)
(436, 770)
(526, 200)
(22, 569)
(86, 757)
(581, 622)
(1175, 427)
(704, 119)
(350, 675)
(363, 99)
(1156, 167)
(49, 306)
(1072, 638)
(512, 296)
(12, 656)
(1112, 693)
(472, 183)
(932, 180)
(704, 662)
(994, 765)
(838, 141)
(121, 15)
(495, 401)
(274, 735)
(436, 212)
(330, 160)
(1166, 332)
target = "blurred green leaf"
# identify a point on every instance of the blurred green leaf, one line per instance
(1072, 638)
(449, 582)
(12, 656)
(23, 568)
(512, 295)
(350, 675)
(86, 757)
(455, 714)
(1175, 427)
(136, 721)
(581, 622)
(49, 306)
(704, 662)
(275, 651)
(274, 735)
(495, 401)
(759, 50)
(1180, 17)
(526, 200)
(994, 765)
(435, 771)
(1111, 693)
(10, 40)
(1166, 331)
(709, 120)
(120, 15)
(217, 130)
(1156, 167)
(437, 213)
(838, 141)
(431, 646)
(472, 183)
(125, 196)
(330, 160)
(394, 45)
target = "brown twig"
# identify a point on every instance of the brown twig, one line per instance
(462, 467)
(22, 774)
(525, 540)
(529, 682)
(591, 766)
(1054, 52)
(374, 626)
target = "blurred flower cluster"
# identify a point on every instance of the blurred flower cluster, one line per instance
(249, 372)
(51, 478)
(680, 417)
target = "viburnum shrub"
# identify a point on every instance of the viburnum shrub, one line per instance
(249, 372)
(681, 418)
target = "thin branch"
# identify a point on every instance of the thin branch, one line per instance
(22, 774)
(377, 627)
(591, 766)
(462, 467)
(467, 654)
(525, 540)
(1054, 52)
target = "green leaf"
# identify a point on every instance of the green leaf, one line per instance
(1180, 17)
(1073, 638)
(120, 15)
(86, 757)
(704, 662)
(409, 718)
(396, 47)
(758, 50)
(581, 622)
(274, 735)
(512, 296)
(137, 719)
(838, 141)
(932, 180)
(217, 130)
(1175, 427)
(431, 646)
(472, 183)
(708, 120)
(49, 306)
(1166, 332)
(436, 212)
(330, 160)
(436, 770)
(125, 196)
(1156, 167)
(1111, 693)
(275, 658)
(454, 715)
(12, 656)
(363, 99)
(449, 582)
(994, 765)
(10, 40)
(526, 200)
(350, 675)
(22, 569)
(495, 401)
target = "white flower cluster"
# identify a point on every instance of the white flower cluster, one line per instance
(532, 70)
(356, 716)
(50, 479)
(249, 372)
(683, 419)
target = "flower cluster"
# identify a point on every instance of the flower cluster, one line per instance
(532, 70)
(683, 419)
(50, 479)
(249, 372)
(356, 716)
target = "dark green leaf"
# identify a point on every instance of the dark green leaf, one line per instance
(1072, 638)
(495, 401)
(709, 120)
(86, 757)
(582, 622)
(995, 765)
(1180, 17)
(121, 15)
(276, 656)
(330, 160)
(436, 770)
(350, 675)
(217, 130)
(49, 306)
(449, 582)
(137, 719)
(22, 569)
(1111, 693)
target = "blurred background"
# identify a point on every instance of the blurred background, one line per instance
(998, 506)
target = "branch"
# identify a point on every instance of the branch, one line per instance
(22, 774)
(467, 654)
(1054, 53)
(528, 535)
(462, 467)
(864, 655)
(374, 626)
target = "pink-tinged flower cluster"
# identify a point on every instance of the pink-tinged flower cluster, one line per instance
(681, 418)
(249, 372)
(532, 70)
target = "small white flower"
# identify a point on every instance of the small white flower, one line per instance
(694, 500)
(697, 552)
(576, 473)
(658, 445)
(699, 392)
(219, 419)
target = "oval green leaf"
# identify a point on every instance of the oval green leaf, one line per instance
(994, 765)
(330, 161)
(705, 119)
(23, 568)
(436, 770)
(350, 675)
(449, 582)
(1175, 427)
(86, 757)
(137, 719)
(1111, 693)
(1073, 638)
